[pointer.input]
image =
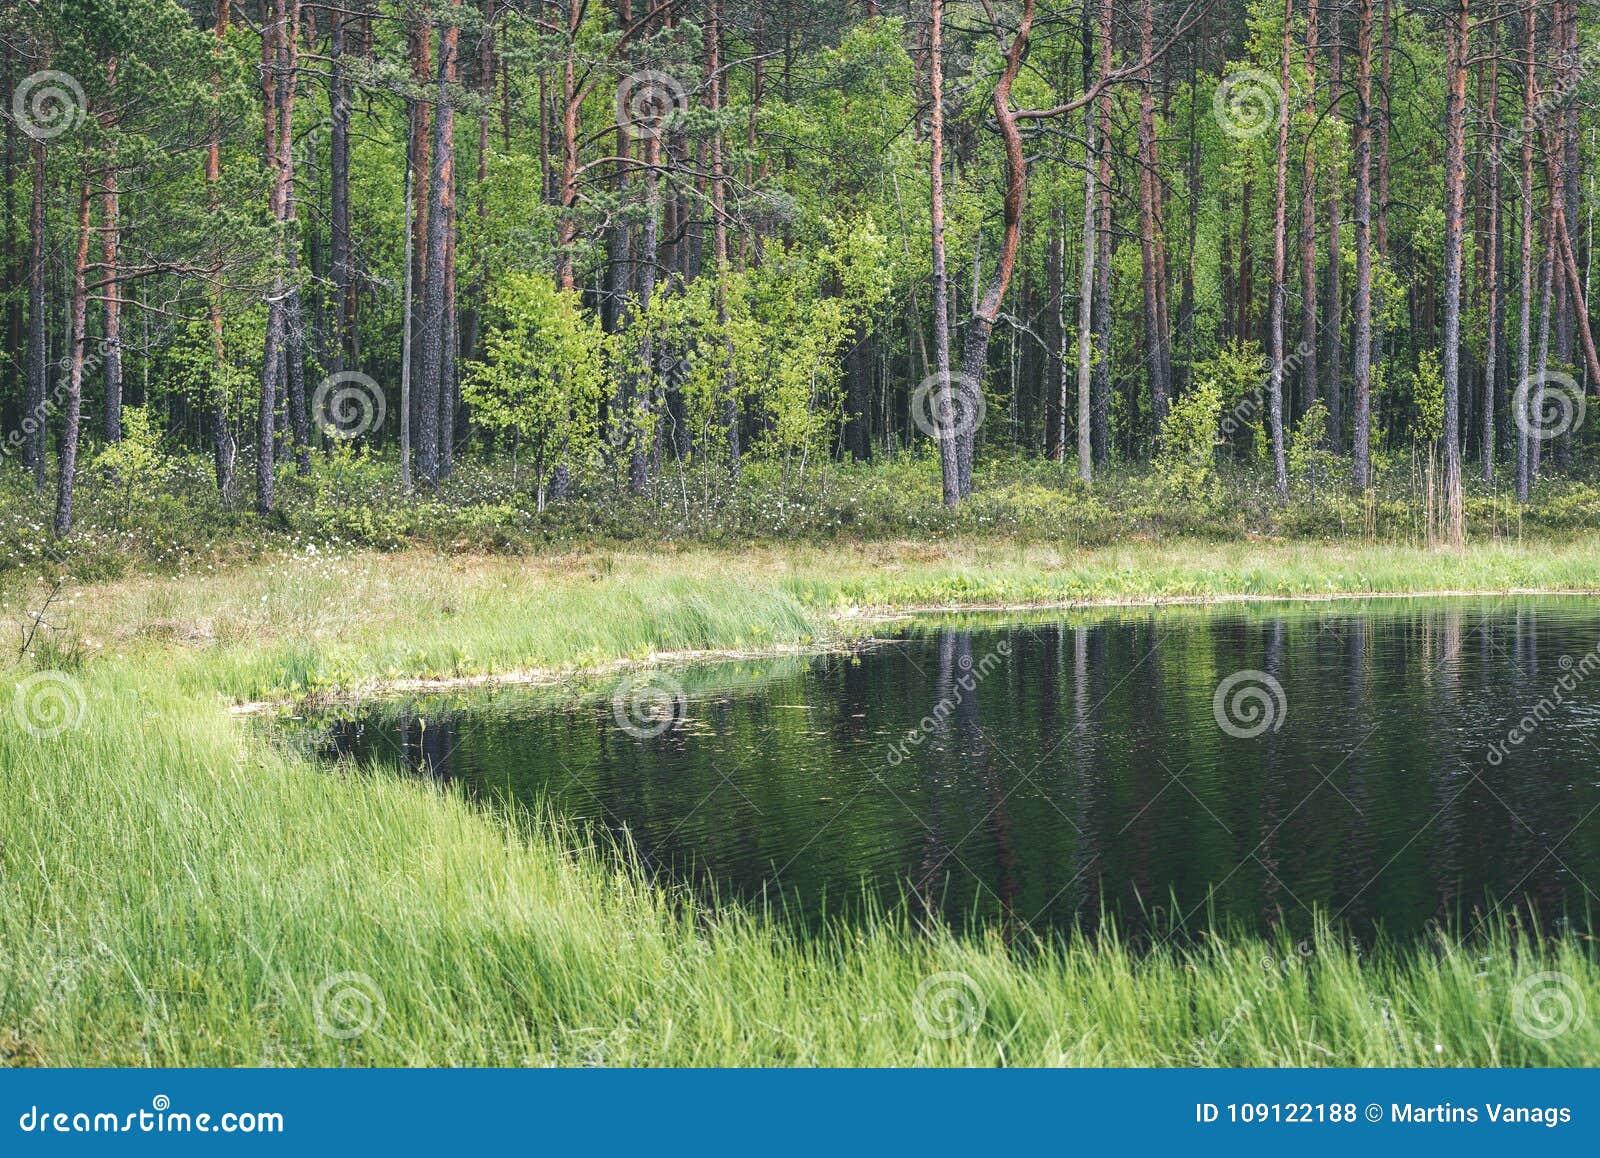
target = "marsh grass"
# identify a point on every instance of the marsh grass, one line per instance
(176, 890)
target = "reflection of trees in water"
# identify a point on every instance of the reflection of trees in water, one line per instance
(1088, 671)
(1452, 799)
(1050, 775)
(958, 756)
(1145, 884)
(1356, 861)
(1273, 788)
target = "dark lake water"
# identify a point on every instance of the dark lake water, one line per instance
(1390, 764)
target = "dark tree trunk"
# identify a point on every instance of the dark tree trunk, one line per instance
(222, 439)
(945, 419)
(1361, 397)
(1308, 228)
(986, 312)
(1101, 392)
(1493, 385)
(294, 331)
(77, 317)
(1149, 225)
(421, 147)
(1280, 213)
(343, 315)
(1525, 302)
(1335, 308)
(110, 245)
(1455, 169)
(430, 387)
(36, 420)
(272, 30)
(719, 241)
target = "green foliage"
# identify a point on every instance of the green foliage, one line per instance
(1237, 372)
(1427, 398)
(1310, 460)
(135, 464)
(1188, 453)
(543, 377)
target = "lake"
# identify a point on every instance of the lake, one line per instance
(1389, 764)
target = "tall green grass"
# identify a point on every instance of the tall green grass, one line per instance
(176, 890)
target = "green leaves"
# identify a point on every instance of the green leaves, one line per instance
(544, 374)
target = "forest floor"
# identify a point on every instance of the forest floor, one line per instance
(177, 889)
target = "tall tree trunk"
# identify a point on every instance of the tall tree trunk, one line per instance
(986, 311)
(430, 386)
(1525, 303)
(1280, 214)
(16, 374)
(1381, 228)
(1101, 390)
(1493, 386)
(421, 129)
(1361, 396)
(77, 312)
(719, 240)
(450, 320)
(294, 329)
(1086, 275)
(1308, 225)
(450, 330)
(473, 322)
(945, 417)
(1335, 308)
(272, 29)
(571, 99)
(1149, 194)
(1455, 170)
(36, 422)
(408, 313)
(110, 245)
(643, 403)
(1547, 265)
(224, 448)
(343, 314)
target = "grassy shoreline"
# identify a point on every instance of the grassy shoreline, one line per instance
(174, 890)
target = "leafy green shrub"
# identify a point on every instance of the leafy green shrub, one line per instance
(1187, 458)
(136, 463)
